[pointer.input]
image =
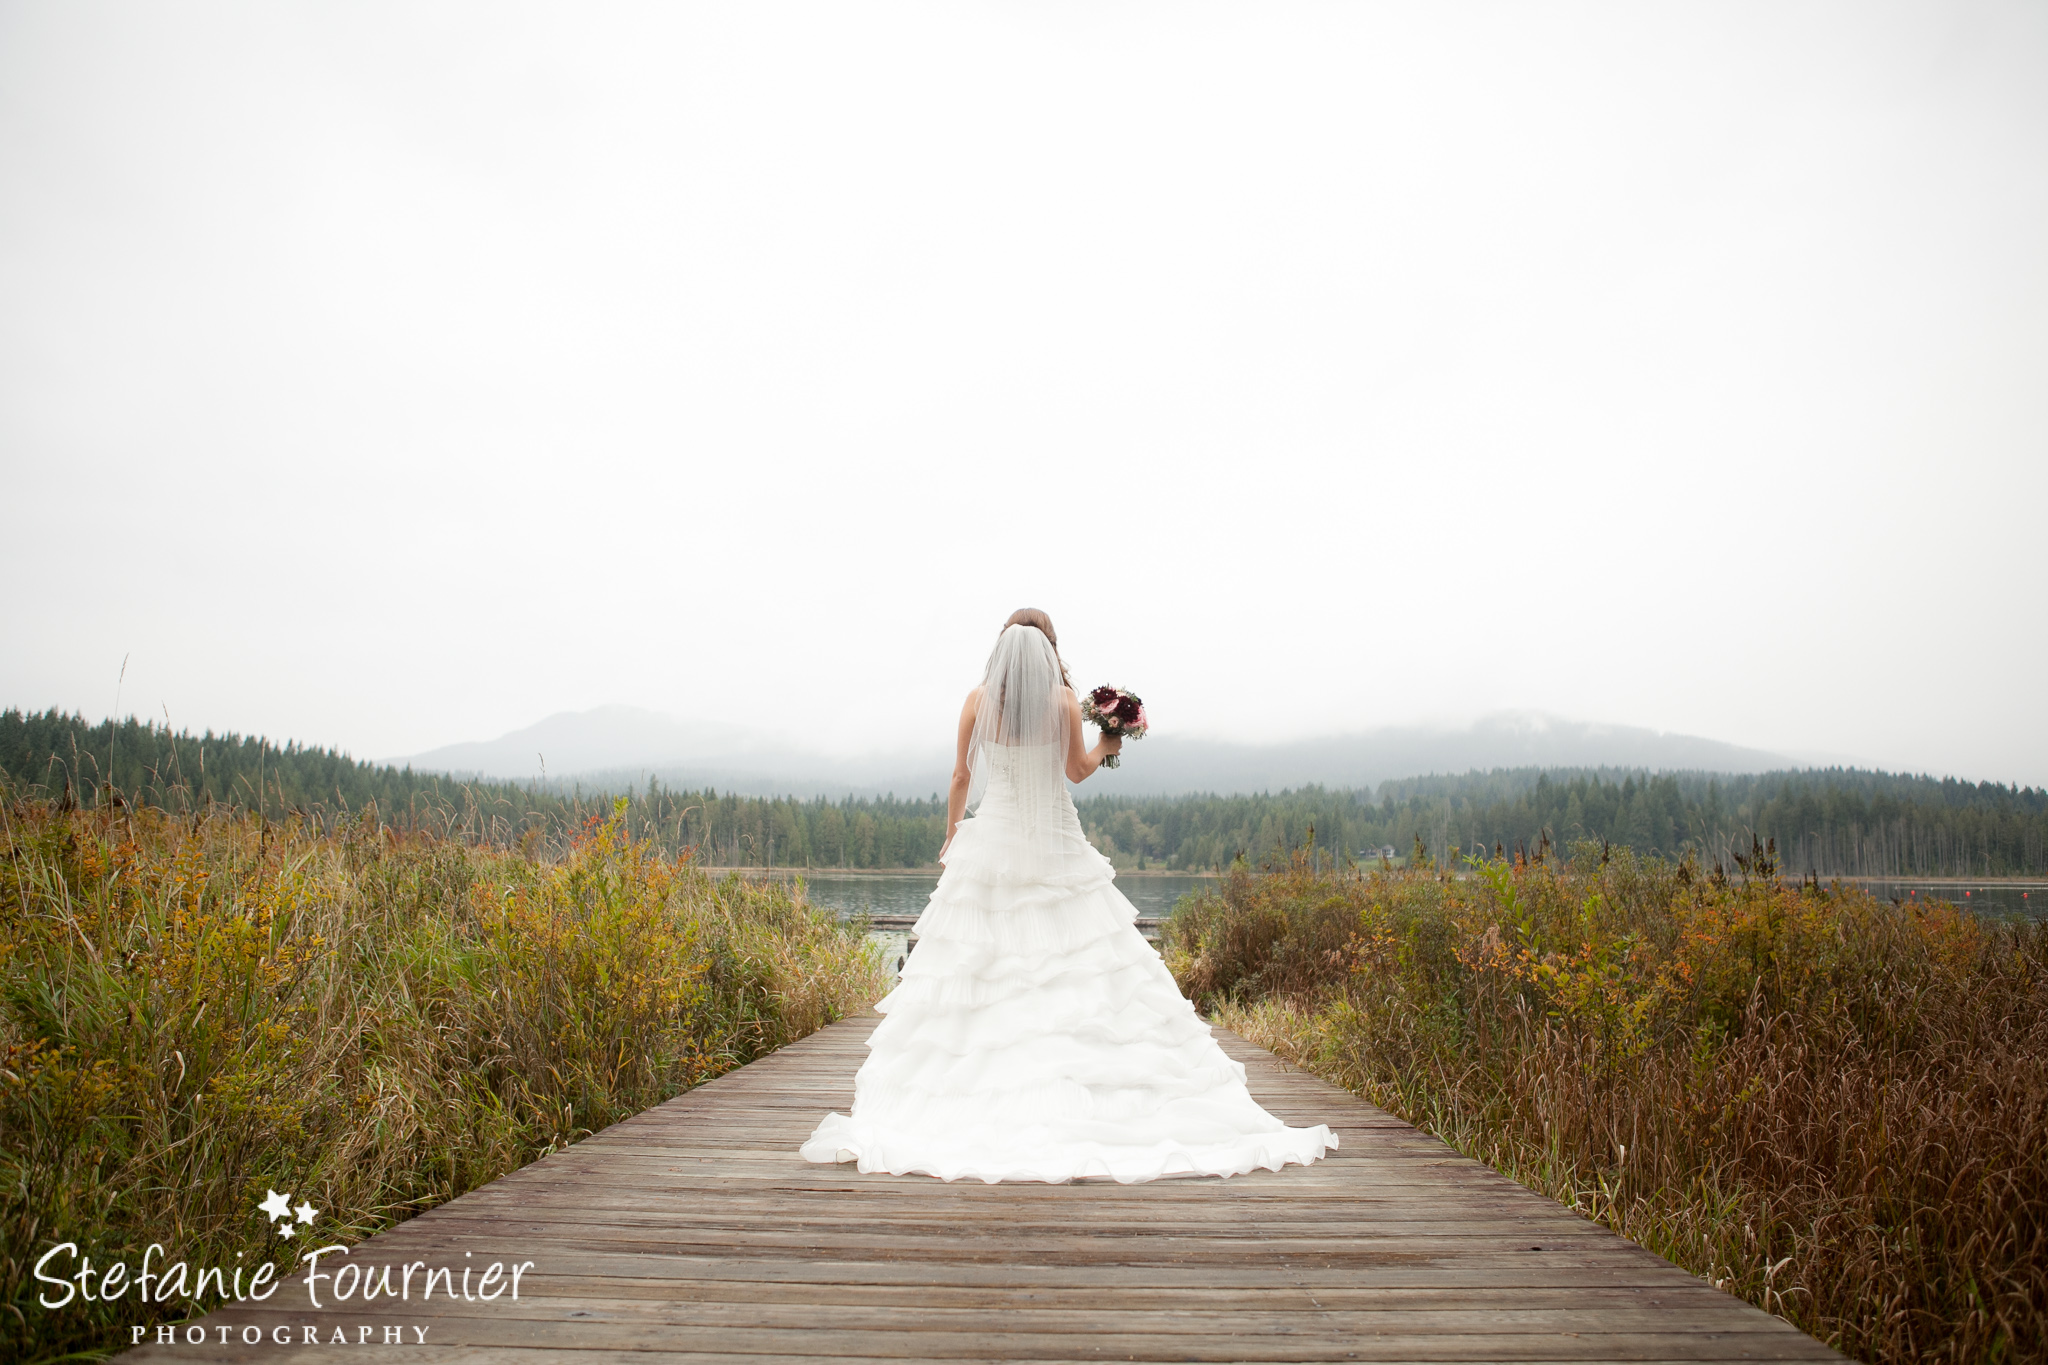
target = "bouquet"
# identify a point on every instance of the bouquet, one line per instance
(1117, 712)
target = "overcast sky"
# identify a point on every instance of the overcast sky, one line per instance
(389, 375)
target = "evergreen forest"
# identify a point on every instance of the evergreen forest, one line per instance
(1826, 822)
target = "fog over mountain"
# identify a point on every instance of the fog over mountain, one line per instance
(614, 747)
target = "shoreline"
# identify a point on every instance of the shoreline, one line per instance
(2025, 883)
(931, 871)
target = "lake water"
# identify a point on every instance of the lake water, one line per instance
(905, 894)
(891, 894)
(1154, 894)
(2028, 898)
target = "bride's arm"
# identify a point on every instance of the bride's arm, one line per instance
(1081, 762)
(956, 794)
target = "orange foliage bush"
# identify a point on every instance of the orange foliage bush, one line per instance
(1832, 1105)
(194, 1010)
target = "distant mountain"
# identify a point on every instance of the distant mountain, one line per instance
(615, 747)
(1170, 766)
(571, 742)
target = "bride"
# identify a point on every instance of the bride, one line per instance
(1035, 1035)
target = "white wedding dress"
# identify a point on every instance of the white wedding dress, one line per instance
(1035, 1035)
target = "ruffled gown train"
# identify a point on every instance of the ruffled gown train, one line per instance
(1036, 1036)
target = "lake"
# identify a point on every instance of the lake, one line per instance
(893, 894)
(1155, 894)
(904, 894)
(1995, 898)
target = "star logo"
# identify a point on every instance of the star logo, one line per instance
(279, 1207)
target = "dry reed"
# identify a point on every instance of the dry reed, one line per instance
(1833, 1106)
(199, 1009)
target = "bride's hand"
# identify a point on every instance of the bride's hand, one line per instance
(1112, 743)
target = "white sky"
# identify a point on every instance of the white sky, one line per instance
(391, 375)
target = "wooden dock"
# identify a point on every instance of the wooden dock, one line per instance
(694, 1233)
(1148, 925)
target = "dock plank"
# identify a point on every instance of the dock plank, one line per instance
(694, 1233)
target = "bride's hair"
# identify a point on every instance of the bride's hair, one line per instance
(1021, 719)
(1032, 616)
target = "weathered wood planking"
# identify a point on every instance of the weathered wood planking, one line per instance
(694, 1233)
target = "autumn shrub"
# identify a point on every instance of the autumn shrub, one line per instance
(196, 1010)
(1832, 1105)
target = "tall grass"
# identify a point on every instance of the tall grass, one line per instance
(1833, 1106)
(195, 1010)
